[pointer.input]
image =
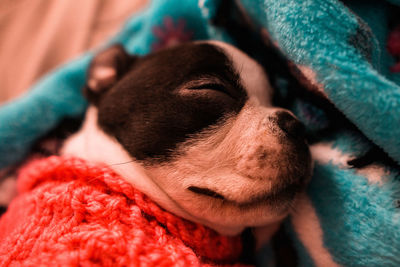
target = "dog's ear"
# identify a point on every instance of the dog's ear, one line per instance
(105, 70)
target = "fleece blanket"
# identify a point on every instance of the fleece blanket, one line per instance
(73, 213)
(329, 63)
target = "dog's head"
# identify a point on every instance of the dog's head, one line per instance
(193, 127)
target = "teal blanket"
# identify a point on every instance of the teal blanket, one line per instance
(329, 64)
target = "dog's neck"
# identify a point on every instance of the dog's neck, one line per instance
(85, 145)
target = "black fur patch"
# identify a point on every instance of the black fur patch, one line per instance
(148, 114)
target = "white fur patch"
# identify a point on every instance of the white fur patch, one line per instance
(324, 153)
(375, 174)
(254, 78)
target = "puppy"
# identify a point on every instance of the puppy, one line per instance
(193, 127)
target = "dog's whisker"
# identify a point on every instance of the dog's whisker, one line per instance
(121, 163)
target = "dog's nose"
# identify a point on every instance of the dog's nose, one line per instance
(290, 125)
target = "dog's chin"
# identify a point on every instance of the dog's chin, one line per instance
(228, 202)
(229, 217)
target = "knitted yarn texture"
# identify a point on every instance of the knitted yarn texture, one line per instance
(70, 212)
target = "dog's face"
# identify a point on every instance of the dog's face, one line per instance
(193, 127)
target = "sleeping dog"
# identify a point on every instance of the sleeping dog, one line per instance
(193, 127)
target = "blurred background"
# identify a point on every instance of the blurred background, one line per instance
(38, 35)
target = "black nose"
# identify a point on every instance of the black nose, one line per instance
(290, 125)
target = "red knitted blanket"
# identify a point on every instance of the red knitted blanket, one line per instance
(70, 212)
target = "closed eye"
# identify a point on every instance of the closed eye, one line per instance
(212, 86)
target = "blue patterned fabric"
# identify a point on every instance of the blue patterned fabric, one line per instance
(348, 100)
